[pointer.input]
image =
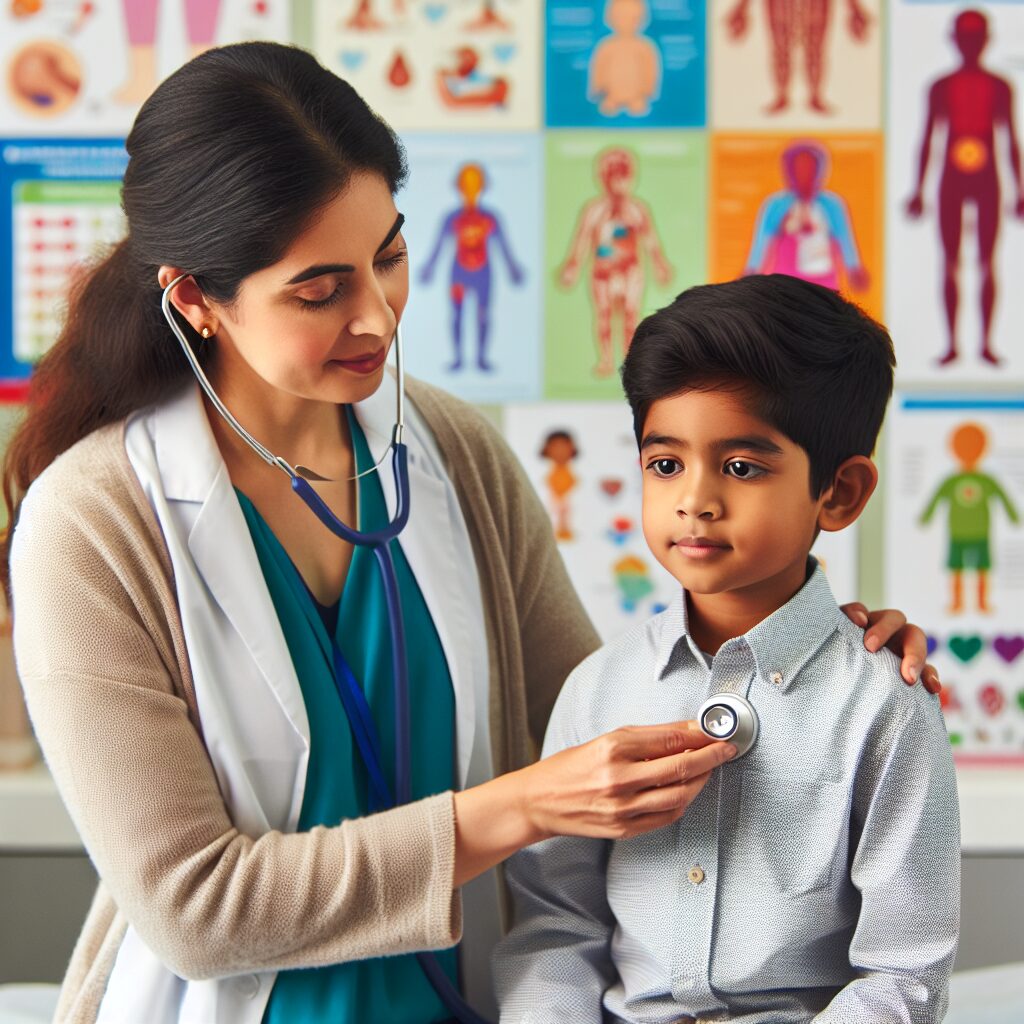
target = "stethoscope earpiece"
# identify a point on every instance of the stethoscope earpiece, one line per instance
(727, 716)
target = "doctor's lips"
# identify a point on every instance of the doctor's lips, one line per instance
(365, 362)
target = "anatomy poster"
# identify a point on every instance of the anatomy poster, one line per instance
(806, 206)
(62, 207)
(442, 65)
(796, 65)
(955, 556)
(625, 63)
(625, 222)
(582, 459)
(473, 323)
(84, 68)
(956, 198)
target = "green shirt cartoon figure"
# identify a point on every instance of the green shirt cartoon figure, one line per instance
(969, 494)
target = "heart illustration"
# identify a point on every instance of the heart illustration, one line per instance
(504, 52)
(435, 12)
(611, 486)
(966, 647)
(991, 699)
(1008, 647)
(352, 60)
(930, 644)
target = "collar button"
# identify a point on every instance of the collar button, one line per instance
(777, 678)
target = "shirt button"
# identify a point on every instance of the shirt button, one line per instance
(247, 985)
(777, 678)
(696, 874)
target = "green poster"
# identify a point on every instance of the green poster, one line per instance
(625, 234)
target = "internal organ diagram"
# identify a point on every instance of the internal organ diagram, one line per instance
(799, 25)
(473, 228)
(613, 230)
(804, 230)
(969, 104)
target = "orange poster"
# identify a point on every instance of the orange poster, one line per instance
(809, 206)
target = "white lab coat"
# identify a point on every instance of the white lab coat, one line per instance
(250, 703)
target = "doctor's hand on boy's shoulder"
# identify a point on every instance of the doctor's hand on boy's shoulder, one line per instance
(889, 628)
(621, 784)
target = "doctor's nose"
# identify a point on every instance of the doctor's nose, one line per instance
(372, 314)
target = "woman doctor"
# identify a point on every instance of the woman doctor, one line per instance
(179, 615)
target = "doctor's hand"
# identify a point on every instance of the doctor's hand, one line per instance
(889, 628)
(630, 781)
(622, 784)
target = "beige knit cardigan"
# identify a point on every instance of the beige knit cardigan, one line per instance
(102, 658)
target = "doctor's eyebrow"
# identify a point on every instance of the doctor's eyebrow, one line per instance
(748, 443)
(344, 268)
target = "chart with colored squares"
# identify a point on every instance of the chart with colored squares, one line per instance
(574, 165)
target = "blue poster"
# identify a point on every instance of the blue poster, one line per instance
(473, 225)
(61, 206)
(625, 63)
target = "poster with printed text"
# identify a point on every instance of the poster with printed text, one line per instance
(582, 459)
(955, 557)
(792, 65)
(442, 65)
(625, 63)
(84, 68)
(473, 324)
(810, 207)
(955, 206)
(625, 233)
(62, 207)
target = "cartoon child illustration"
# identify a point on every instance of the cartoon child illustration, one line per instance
(561, 449)
(633, 581)
(968, 494)
(625, 67)
(805, 230)
(615, 228)
(473, 228)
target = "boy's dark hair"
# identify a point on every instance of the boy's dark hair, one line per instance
(816, 367)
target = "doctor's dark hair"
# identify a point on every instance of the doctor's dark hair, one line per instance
(230, 159)
(814, 366)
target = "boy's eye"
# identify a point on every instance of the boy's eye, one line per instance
(663, 467)
(743, 470)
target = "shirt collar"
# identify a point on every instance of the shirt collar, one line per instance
(781, 644)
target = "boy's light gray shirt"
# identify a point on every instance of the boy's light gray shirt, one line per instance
(817, 878)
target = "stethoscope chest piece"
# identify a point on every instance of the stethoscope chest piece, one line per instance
(727, 716)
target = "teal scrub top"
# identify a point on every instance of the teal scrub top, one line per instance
(386, 990)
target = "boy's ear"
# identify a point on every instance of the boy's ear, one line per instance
(843, 502)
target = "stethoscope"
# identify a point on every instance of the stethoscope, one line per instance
(354, 702)
(730, 717)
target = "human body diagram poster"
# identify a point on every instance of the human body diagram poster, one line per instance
(955, 544)
(955, 197)
(444, 65)
(581, 458)
(794, 65)
(84, 68)
(476, 280)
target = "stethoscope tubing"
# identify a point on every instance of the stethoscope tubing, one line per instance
(379, 542)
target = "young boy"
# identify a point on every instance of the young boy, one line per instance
(816, 877)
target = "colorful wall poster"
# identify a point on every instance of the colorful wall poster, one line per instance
(582, 459)
(625, 231)
(796, 65)
(810, 207)
(446, 65)
(955, 192)
(625, 63)
(955, 556)
(473, 226)
(62, 206)
(76, 68)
